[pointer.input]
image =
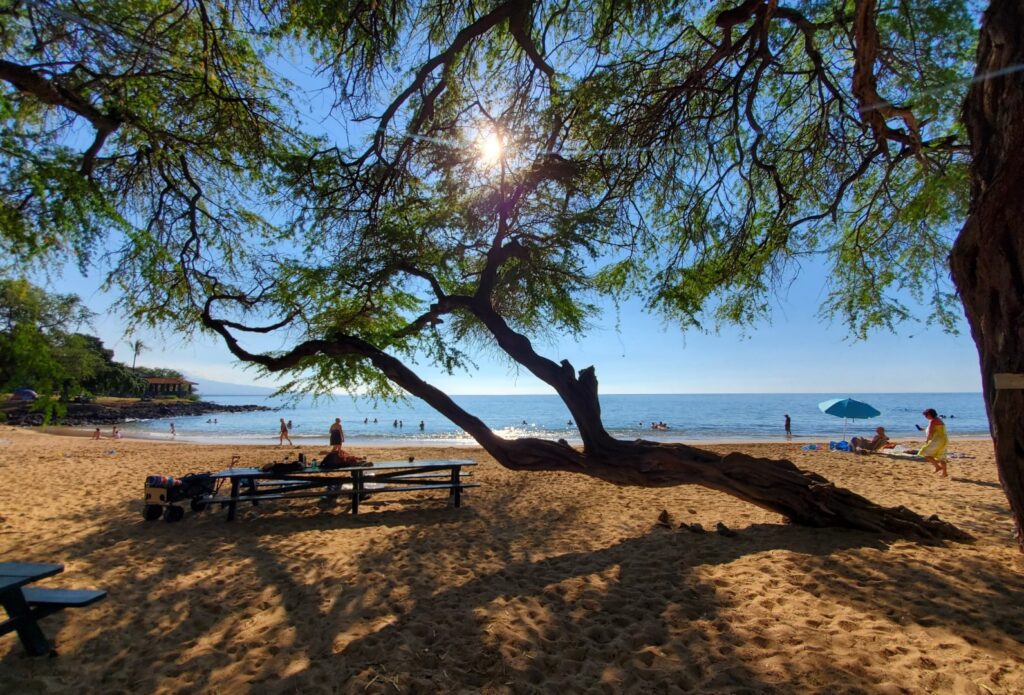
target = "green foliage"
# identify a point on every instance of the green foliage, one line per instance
(694, 156)
(163, 372)
(178, 101)
(766, 162)
(115, 379)
(41, 350)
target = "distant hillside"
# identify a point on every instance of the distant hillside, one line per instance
(207, 388)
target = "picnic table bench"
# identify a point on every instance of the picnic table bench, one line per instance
(356, 482)
(26, 605)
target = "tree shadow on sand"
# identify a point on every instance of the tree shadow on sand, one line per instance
(472, 598)
(983, 483)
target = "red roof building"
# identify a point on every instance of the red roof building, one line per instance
(168, 386)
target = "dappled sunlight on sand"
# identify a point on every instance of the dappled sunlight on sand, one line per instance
(542, 581)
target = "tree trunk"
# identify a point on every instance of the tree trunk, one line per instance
(800, 496)
(803, 497)
(579, 393)
(988, 256)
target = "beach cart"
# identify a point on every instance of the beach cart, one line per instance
(164, 493)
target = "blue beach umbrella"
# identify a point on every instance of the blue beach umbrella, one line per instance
(848, 408)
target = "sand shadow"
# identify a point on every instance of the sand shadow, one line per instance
(982, 483)
(471, 599)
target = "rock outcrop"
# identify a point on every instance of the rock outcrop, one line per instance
(103, 414)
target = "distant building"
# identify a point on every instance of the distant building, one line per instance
(157, 386)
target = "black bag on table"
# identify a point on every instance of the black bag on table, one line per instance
(283, 467)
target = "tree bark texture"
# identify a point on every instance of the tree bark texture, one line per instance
(803, 497)
(988, 256)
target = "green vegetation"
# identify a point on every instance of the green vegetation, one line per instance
(43, 350)
(39, 348)
(691, 156)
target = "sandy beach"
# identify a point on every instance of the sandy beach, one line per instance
(541, 582)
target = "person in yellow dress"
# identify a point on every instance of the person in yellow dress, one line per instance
(934, 450)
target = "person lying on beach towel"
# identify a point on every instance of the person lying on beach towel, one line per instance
(863, 445)
(342, 459)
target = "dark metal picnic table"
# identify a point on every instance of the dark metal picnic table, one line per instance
(26, 605)
(356, 482)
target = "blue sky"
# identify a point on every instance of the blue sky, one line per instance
(637, 353)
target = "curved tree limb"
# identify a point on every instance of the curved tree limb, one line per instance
(51, 92)
(874, 110)
(779, 486)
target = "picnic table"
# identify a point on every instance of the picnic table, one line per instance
(26, 605)
(356, 482)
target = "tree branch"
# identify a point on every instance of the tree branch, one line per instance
(874, 110)
(27, 80)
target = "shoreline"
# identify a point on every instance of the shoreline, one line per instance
(106, 412)
(396, 443)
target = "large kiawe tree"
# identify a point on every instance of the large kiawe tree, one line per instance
(691, 157)
(988, 257)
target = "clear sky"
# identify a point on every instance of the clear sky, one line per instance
(637, 353)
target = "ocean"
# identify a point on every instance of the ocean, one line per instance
(690, 418)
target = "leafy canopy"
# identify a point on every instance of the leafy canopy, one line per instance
(694, 156)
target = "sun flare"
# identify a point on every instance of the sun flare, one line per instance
(491, 148)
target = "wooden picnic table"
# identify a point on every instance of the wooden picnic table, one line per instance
(355, 482)
(26, 605)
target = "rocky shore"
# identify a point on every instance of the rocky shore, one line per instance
(111, 414)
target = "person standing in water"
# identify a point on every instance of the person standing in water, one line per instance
(789, 427)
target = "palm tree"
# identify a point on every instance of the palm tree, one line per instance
(137, 347)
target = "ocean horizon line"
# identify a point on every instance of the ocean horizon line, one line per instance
(306, 394)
